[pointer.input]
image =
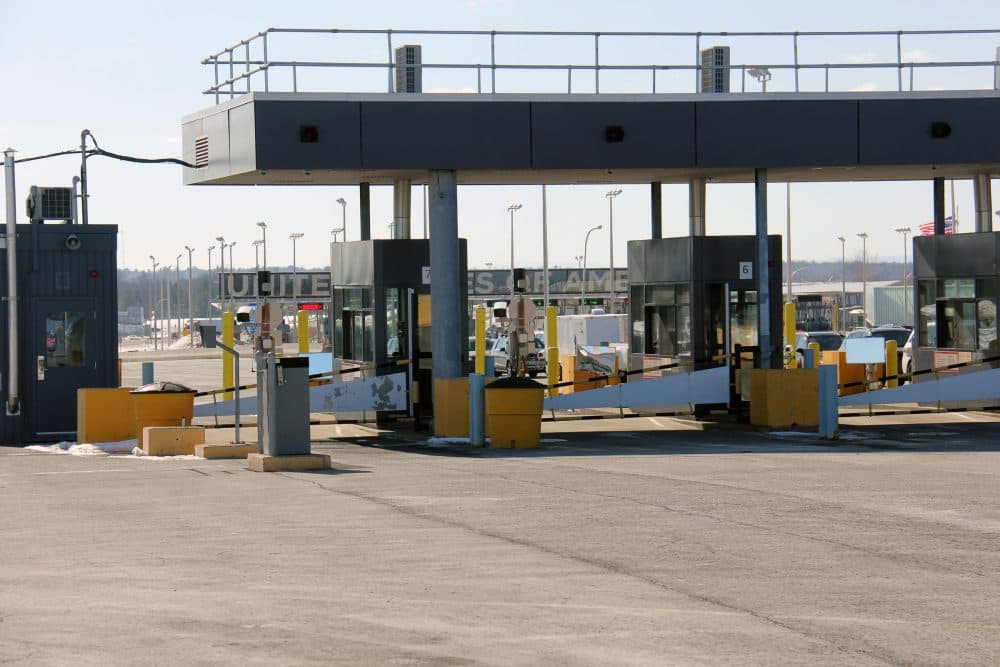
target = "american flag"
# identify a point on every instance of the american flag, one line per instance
(927, 229)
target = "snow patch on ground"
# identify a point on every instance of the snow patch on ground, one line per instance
(87, 448)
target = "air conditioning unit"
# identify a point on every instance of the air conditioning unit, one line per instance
(50, 204)
(409, 74)
(715, 69)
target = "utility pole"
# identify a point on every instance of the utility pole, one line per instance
(190, 250)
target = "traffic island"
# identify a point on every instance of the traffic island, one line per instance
(266, 463)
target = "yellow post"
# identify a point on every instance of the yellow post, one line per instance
(815, 348)
(227, 359)
(836, 317)
(303, 332)
(551, 348)
(481, 339)
(891, 363)
(790, 334)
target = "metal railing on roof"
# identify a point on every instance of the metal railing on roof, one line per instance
(247, 63)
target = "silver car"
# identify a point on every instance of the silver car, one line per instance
(533, 365)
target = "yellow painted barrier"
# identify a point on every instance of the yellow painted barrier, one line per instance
(303, 332)
(481, 339)
(891, 363)
(161, 409)
(514, 413)
(779, 399)
(104, 415)
(451, 407)
(228, 374)
(791, 358)
(816, 353)
(171, 440)
(551, 348)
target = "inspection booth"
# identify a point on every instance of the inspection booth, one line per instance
(66, 334)
(955, 289)
(381, 309)
(689, 295)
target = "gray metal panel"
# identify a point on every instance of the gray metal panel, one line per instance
(572, 135)
(242, 142)
(433, 135)
(277, 135)
(777, 134)
(399, 262)
(898, 131)
(956, 255)
(216, 128)
(660, 260)
(717, 259)
(352, 263)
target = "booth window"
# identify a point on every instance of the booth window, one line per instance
(667, 320)
(956, 324)
(743, 317)
(65, 340)
(355, 336)
(395, 323)
(986, 314)
(926, 313)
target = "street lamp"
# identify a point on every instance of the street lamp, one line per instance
(263, 241)
(232, 300)
(256, 253)
(295, 283)
(611, 194)
(208, 302)
(511, 209)
(579, 260)
(843, 284)
(762, 74)
(343, 219)
(583, 281)
(222, 272)
(190, 310)
(177, 286)
(906, 298)
(864, 270)
(152, 306)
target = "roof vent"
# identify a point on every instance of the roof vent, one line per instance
(201, 151)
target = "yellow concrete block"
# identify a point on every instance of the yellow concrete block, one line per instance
(568, 373)
(514, 417)
(173, 409)
(104, 415)
(854, 373)
(171, 440)
(783, 398)
(451, 407)
(264, 463)
(224, 451)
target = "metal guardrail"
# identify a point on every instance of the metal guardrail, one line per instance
(248, 62)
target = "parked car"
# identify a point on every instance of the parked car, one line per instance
(828, 342)
(490, 342)
(533, 365)
(899, 334)
(906, 363)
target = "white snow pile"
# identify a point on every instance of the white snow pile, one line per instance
(88, 448)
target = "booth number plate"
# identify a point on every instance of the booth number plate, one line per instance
(425, 275)
(746, 270)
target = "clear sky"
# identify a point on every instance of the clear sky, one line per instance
(129, 71)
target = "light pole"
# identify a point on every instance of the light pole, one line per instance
(256, 253)
(788, 234)
(177, 286)
(263, 241)
(190, 310)
(906, 295)
(511, 209)
(295, 283)
(843, 284)
(611, 194)
(232, 300)
(152, 305)
(208, 303)
(343, 217)
(579, 261)
(583, 281)
(864, 277)
(222, 273)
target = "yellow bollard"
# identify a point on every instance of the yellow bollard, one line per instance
(836, 318)
(481, 339)
(551, 348)
(303, 332)
(227, 359)
(790, 359)
(891, 363)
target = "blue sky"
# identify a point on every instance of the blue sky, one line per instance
(129, 71)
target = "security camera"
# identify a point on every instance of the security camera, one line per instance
(72, 242)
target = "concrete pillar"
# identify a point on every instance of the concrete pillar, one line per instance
(366, 211)
(984, 203)
(401, 208)
(656, 208)
(696, 206)
(447, 349)
(938, 206)
(770, 357)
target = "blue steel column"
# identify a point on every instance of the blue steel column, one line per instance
(768, 359)
(446, 316)
(938, 208)
(656, 206)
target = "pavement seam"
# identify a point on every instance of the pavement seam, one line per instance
(873, 652)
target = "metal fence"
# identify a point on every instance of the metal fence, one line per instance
(249, 66)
